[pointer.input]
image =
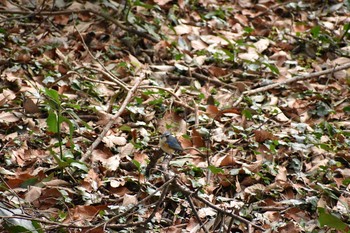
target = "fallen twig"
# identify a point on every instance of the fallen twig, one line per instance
(196, 214)
(292, 80)
(214, 81)
(112, 120)
(114, 218)
(237, 217)
(96, 12)
(104, 71)
(187, 192)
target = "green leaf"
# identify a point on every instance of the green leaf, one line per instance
(71, 127)
(196, 184)
(17, 224)
(53, 94)
(229, 54)
(329, 220)
(17, 229)
(346, 182)
(247, 113)
(322, 109)
(158, 101)
(125, 128)
(137, 164)
(61, 163)
(79, 165)
(74, 106)
(346, 109)
(37, 226)
(315, 31)
(248, 30)
(142, 4)
(51, 122)
(272, 67)
(215, 170)
(29, 182)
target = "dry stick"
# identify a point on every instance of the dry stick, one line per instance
(112, 120)
(295, 79)
(125, 28)
(217, 82)
(96, 12)
(271, 8)
(237, 217)
(186, 191)
(116, 22)
(31, 218)
(162, 88)
(184, 105)
(108, 74)
(159, 202)
(196, 115)
(104, 71)
(164, 186)
(120, 82)
(196, 214)
(230, 225)
(177, 101)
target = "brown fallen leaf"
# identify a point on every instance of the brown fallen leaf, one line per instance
(29, 106)
(263, 135)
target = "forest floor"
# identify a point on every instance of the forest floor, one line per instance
(257, 94)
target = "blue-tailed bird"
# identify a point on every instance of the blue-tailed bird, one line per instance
(169, 144)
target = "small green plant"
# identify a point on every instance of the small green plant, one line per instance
(57, 109)
(329, 220)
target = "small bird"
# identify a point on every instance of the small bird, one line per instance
(169, 144)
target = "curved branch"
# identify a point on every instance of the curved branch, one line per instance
(291, 80)
(95, 12)
(112, 120)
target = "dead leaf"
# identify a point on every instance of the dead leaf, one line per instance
(129, 200)
(6, 96)
(56, 183)
(33, 194)
(263, 135)
(212, 111)
(282, 174)
(172, 122)
(29, 106)
(197, 139)
(113, 140)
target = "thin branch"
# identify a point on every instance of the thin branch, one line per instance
(109, 75)
(96, 12)
(214, 81)
(125, 28)
(271, 8)
(292, 80)
(105, 71)
(159, 202)
(186, 191)
(235, 216)
(31, 218)
(196, 214)
(112, 120)
(164, 186)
